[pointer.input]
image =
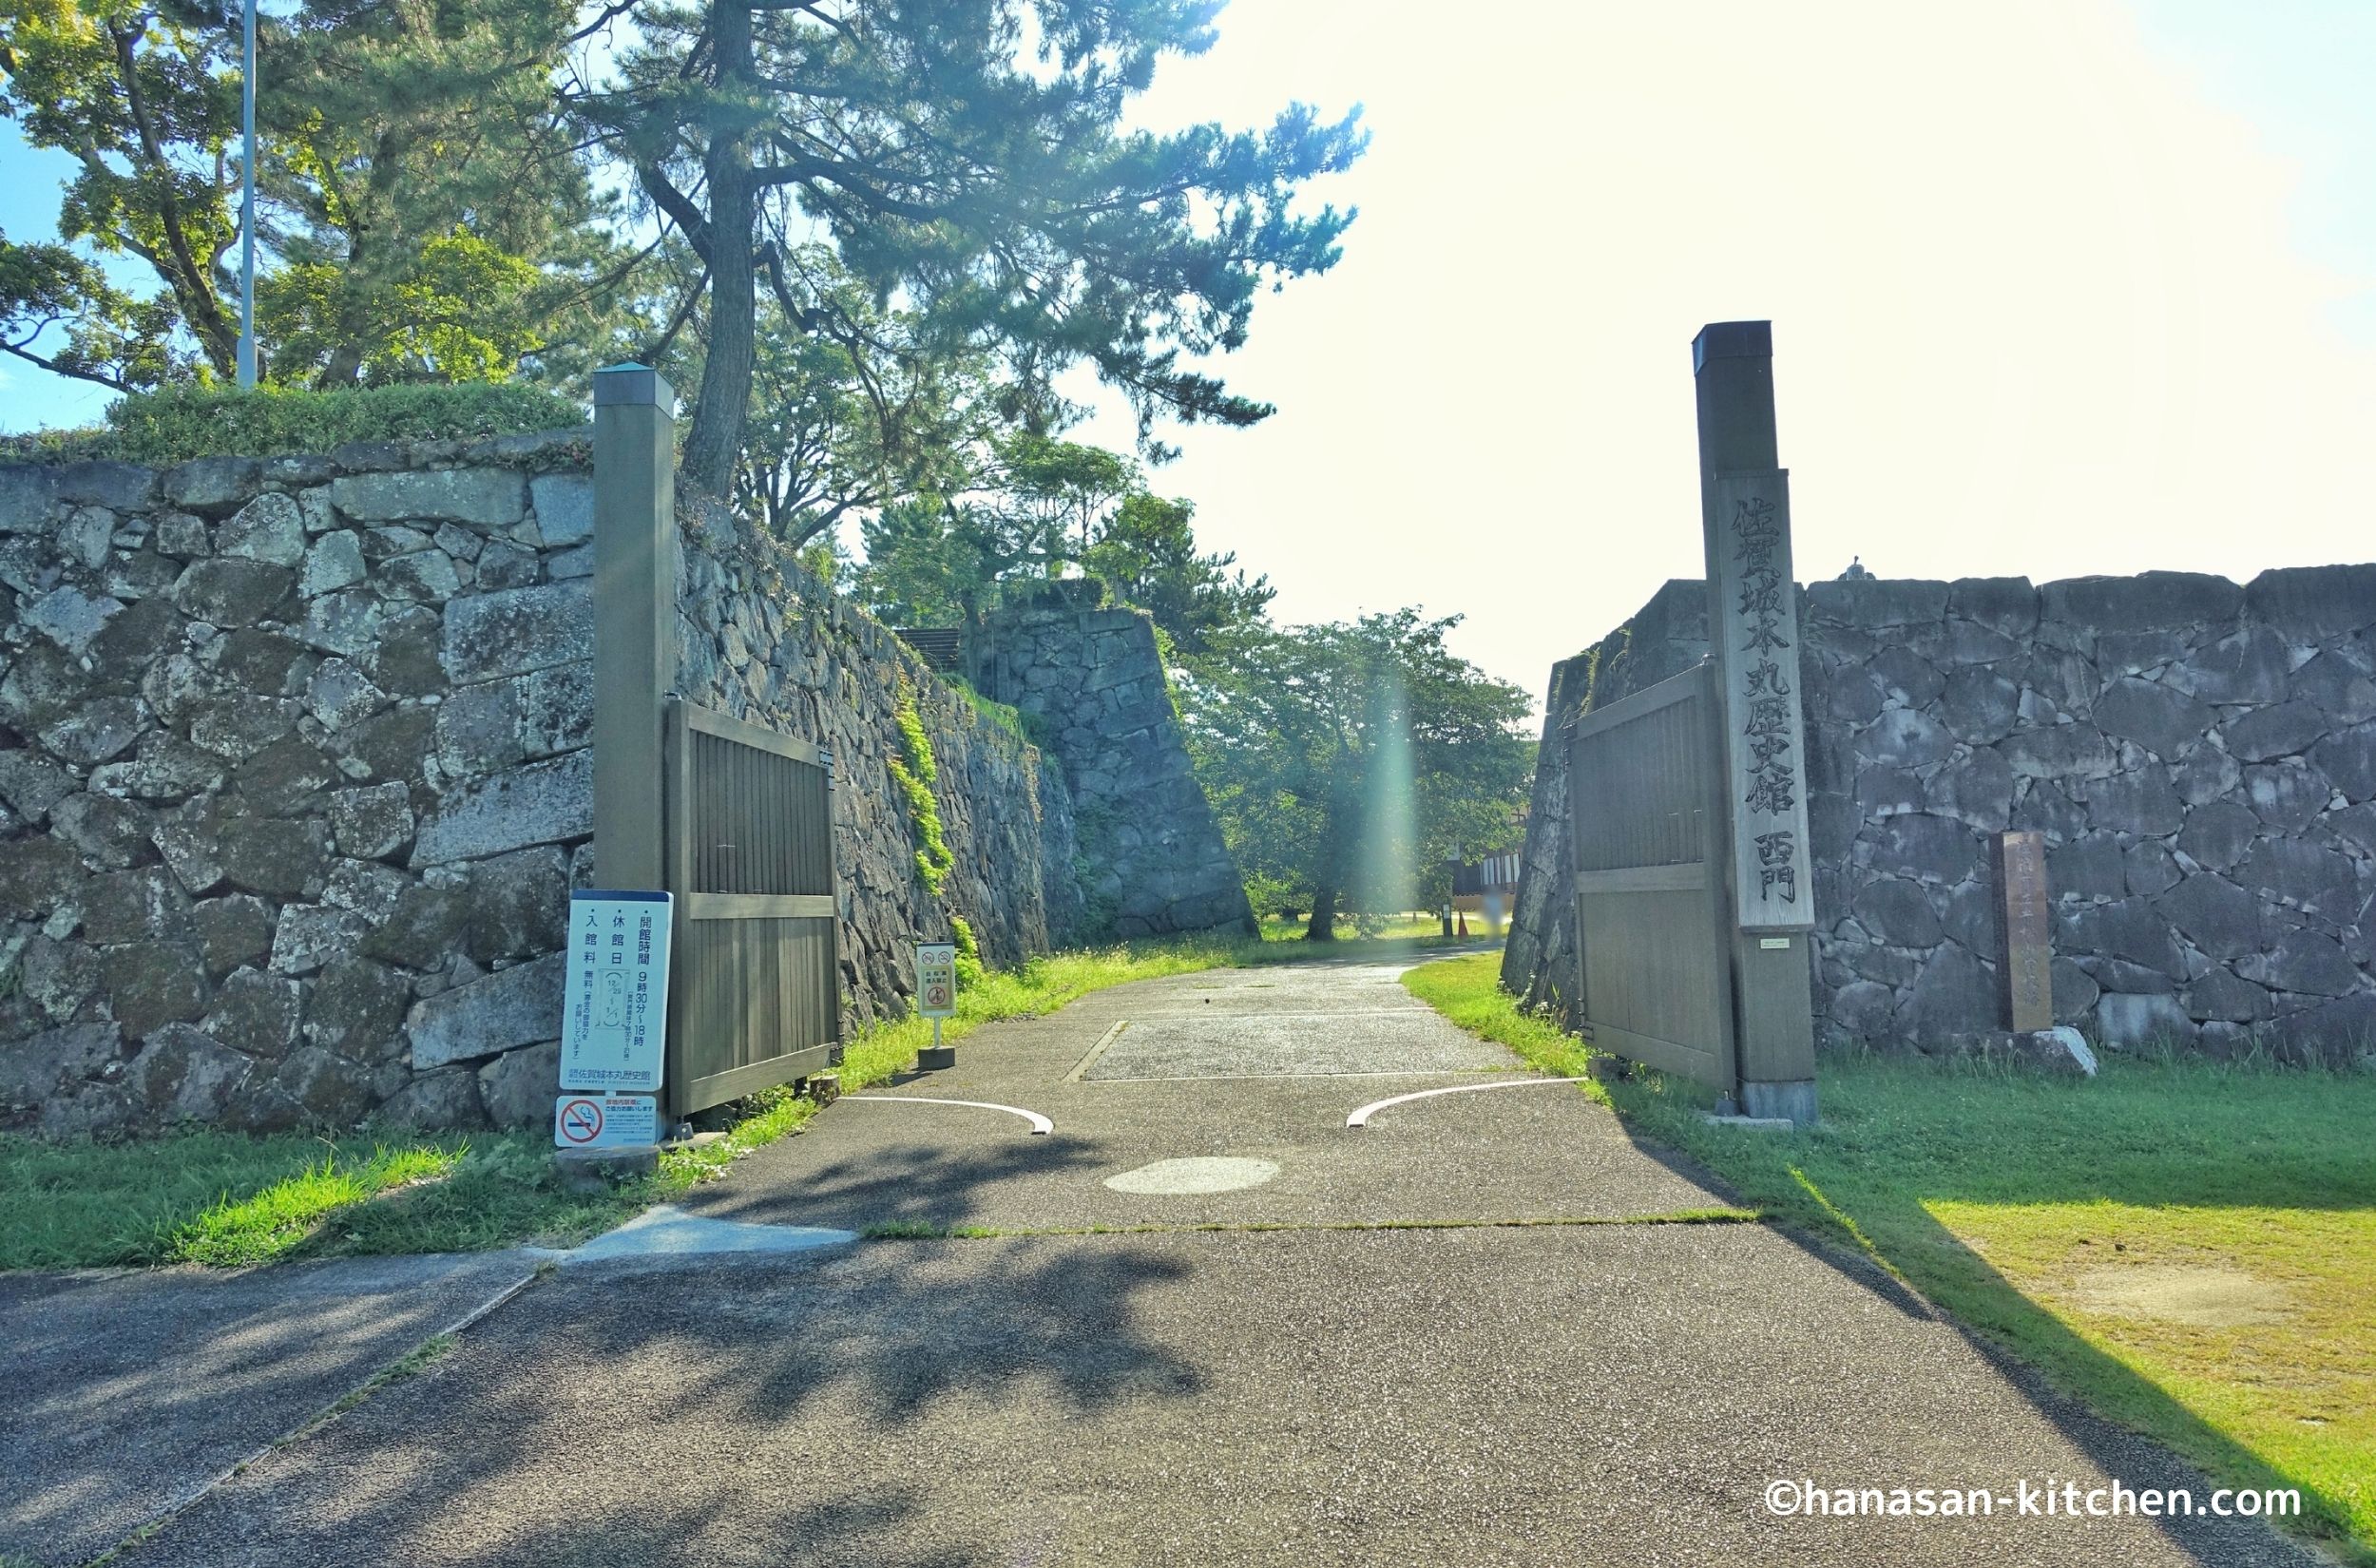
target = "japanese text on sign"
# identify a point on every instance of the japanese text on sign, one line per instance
(615, 999)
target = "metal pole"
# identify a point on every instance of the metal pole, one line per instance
(247, 210)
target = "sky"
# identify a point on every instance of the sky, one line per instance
(2058, 288)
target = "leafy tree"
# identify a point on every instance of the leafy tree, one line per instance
(1147, 551)
(1347, 761)
(137, 93)
(422, 211)
(970, 160)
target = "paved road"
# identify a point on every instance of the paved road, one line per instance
(1097, 1380)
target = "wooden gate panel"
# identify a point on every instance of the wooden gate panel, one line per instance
(757, 998)
(1651, 912)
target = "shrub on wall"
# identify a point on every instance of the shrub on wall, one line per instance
(915, 773)
(181, 423)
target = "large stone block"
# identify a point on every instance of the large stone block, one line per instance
(37, 873)
(1953, 999)
(327, 1089)
(2282, 729)
(2218, 917)
(511, 1007)
(186, 1075)
(2288, 795)
(518, 630)
(2303, 961)
(2315, 601)
(1877, 602)
(232, 592)
(2218, 833)
(372, 823)
(2347, 758)
(149, 985)
(2220, 997)
(1905, 737)
(287, 778)
(141, 906)
(2058, 752)
(2300, 872)
(2129, 1019)
(2136, 929)
(447, 1100)
(2165, 721)
(2246, 666)
(310, 935)
(356, 1009)
(118, 486)
(518, 1086)
(269, 528)
(2140, 801)
(211, 484)
(492, 498)
(2089, 867)
(1898, 912)
(256, 1013)
(69, 617)
(231, 932)
(96, 732)
(541, 803)
(478, 729)
(279, 858)
(1976, 788)
(519, 905)
(564, 507)
(2150, 600)
(112, 833)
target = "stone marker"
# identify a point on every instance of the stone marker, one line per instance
(2026, 920)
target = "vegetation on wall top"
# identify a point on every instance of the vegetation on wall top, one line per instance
(184, 422)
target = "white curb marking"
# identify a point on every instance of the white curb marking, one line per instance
(1361, 1117)
(1039, 1123)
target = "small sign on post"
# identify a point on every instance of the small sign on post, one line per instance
(936, 998)
(2027, 924)
(614, 1021)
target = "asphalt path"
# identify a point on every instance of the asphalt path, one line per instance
(1203, 1322)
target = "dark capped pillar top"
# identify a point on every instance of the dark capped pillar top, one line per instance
(633, 385)
(1732, 341)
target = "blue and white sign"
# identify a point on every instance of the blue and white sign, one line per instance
(614, 1023)
(605, 1121)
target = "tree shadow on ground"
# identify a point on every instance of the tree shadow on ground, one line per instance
(728, 1411)
(1878, 1229)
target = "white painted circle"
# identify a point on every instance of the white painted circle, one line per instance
(1179, 1177)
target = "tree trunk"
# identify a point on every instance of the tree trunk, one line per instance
(714, 445)
(1323, 926)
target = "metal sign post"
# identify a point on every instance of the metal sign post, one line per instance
(936, 998)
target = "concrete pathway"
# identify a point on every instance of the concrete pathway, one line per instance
(1170, 1333)
(128, 1392)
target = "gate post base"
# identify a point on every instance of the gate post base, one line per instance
(1794, 1101)
(600, 1170)
(934, 1057)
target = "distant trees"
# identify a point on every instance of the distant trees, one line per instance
(1349, 761)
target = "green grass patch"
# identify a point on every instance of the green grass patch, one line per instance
(1468, 991)
(2186, 1246)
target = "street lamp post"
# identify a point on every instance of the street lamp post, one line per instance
(247, 207)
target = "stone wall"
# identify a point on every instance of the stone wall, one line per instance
(2200, 757)
(1092, 678)
(295, 780)
(762, 640)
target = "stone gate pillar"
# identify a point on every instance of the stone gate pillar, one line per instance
(635, 618)
(1754, 635)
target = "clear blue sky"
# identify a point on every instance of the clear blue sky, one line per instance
(2060, 286)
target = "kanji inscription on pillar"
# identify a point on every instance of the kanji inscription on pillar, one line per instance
(1765, 732)
(2028, 925)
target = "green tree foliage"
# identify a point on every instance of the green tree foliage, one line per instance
(140, 96)
(1348, 762)
(1147, 553)
(969, 160)
(423, 213)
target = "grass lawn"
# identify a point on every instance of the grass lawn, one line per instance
(2189, 1246)
(227, 1199)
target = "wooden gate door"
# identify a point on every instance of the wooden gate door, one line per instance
(754, 996)
(1652, 911)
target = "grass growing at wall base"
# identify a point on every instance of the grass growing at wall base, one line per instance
(226, 1199)
(2186, 1246)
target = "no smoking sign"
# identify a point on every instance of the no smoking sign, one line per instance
(605, 1121)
